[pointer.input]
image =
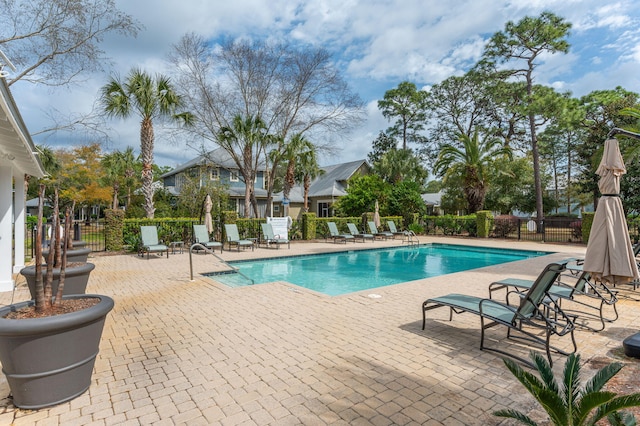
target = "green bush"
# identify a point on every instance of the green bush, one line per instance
(483, 223)
(114, 229)
(587, 222)
(504, 225)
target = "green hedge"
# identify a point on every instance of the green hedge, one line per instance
(114, 229)
(587, 222)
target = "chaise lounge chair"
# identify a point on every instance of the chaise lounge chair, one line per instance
(337, 236)
(374, 231)
(268, 237)
(581, 291)
(201, 235)
(150, 242)
(394, 231)
(357, 234)
(532, 312)
(233, 237)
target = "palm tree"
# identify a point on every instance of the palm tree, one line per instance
(474, 157)
(297, 146)
(570, 405)
(397, 165)
(119, 168)
(244, 140)
(149, 98)
(306, 170)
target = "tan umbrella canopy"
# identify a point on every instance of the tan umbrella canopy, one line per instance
(609, 255)
(208, 222)
(376, 215)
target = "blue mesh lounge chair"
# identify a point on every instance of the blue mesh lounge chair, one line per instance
(581, 292)
(150, 242)
(357, 234)
(337, 236)
(534, 312)
(374, 231)
(233, 237)
(201, 235)
(269, 238)
(392, 227)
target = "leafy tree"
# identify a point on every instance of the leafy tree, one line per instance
(362, 194)
(404, 200)
(568, 403)
(244, 140)
(511, 185)
(190, 201)
(458, 105)
(408, 106)
(602, 112)
(474, 158)
(522, 44)
(433, 186)
(294, 90)
(119, 173)
(52, 42)
(399, 165)
(380, 146)
(557, 145)
(150, 99)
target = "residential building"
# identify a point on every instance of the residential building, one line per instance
(18, 157)
(218, 165)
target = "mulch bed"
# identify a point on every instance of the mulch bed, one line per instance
(67, 306)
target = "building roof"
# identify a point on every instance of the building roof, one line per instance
(432, 199)
(16, 145)
(332, 183)
(219, 157)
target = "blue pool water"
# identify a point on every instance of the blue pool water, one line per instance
(349, 271)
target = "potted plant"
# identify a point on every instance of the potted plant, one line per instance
(76, 269)
(566, 402)
(48, 345)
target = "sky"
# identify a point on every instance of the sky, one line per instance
(376, 44)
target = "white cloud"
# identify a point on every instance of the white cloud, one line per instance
(379, 42)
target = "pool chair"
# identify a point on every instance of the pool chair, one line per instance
(269, 238)
(535, 312)
(150, 242)
(582, 291)
(374, 231)
(394, 231)
(201, 235)
(353, 230)
(337, 236)
(233, 237)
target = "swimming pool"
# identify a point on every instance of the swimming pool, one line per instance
(355, 270)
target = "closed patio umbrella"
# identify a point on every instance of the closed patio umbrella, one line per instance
(208, 205)
(609, 255)
(376, 215)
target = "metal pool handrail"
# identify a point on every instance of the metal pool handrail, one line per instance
(200, 246)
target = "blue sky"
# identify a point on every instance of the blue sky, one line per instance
(376, 43)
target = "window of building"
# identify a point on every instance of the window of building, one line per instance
(323, 209)
(233, 176)
(214, 173)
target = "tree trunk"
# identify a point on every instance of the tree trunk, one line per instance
(146, 148)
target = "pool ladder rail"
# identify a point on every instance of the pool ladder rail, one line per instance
(224, 262)
(410, 238)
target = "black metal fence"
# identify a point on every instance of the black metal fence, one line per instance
(558, 230)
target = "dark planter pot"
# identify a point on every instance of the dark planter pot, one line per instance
(75, 255)
(50, 360)
(76, 278)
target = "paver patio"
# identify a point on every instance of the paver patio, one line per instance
(176, 351)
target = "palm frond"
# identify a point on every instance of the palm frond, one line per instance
(602, 377)
(513, 414)
(616, 404)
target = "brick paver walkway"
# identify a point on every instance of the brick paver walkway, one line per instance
(176, 351)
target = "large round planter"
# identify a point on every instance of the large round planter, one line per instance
(50, 360)
(75, 255)
(76, 277)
